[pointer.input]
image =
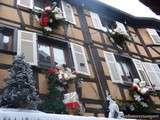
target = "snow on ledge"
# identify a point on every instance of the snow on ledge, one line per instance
(20, 114)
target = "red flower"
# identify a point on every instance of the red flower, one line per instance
(135, 88)
(44, 20)
(52, 71)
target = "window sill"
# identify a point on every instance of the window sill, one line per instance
(10, 52)
(127, 84)
(45, 65)
(152, 45)
(25, 9)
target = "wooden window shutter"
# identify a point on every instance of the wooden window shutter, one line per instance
(114, 68)
(26, 3)
(96, 20)
(68, 12)
(79, 58)
(140, 69)
(153, 73)
(27, 45)
(154, 35)
(121, 28)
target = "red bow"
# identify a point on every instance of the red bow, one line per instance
(44, 20)
(72, 104)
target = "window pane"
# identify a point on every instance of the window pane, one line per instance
(59, 56)
(7, 42)
(41, 3)
(6, 39)
(126, 70)
(44, 54)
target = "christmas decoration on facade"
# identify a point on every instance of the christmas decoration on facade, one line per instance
(72, 103)
(119, 39)
(59, 100)
(140, 90)
(118, 36)
(141, 103)
(50, 18)
(114, 111)
(20, 90)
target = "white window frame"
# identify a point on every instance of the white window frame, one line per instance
(72, 13)
(75, 61)
(31, 4)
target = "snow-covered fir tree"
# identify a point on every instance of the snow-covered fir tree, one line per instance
(20, 90)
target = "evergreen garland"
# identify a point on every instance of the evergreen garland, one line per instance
(119, 39)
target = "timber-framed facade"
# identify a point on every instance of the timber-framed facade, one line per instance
(88, 33)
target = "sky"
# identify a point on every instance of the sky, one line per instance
(133, 7)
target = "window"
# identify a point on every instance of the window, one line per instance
(54, 51)
(114, 67)
(59, 56)
(141, 71)
(26, 3)
(149, 72)
(6, 39)
(80, 60)
(121, 28)
(97, 22)
(154, 35)
(50, 52)
(135, 37)
(121, 69)
(126, 68)
(68, 12)
(41, 4)
(44, 54)
(153, 72)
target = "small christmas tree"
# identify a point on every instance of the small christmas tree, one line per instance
(20, 90)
